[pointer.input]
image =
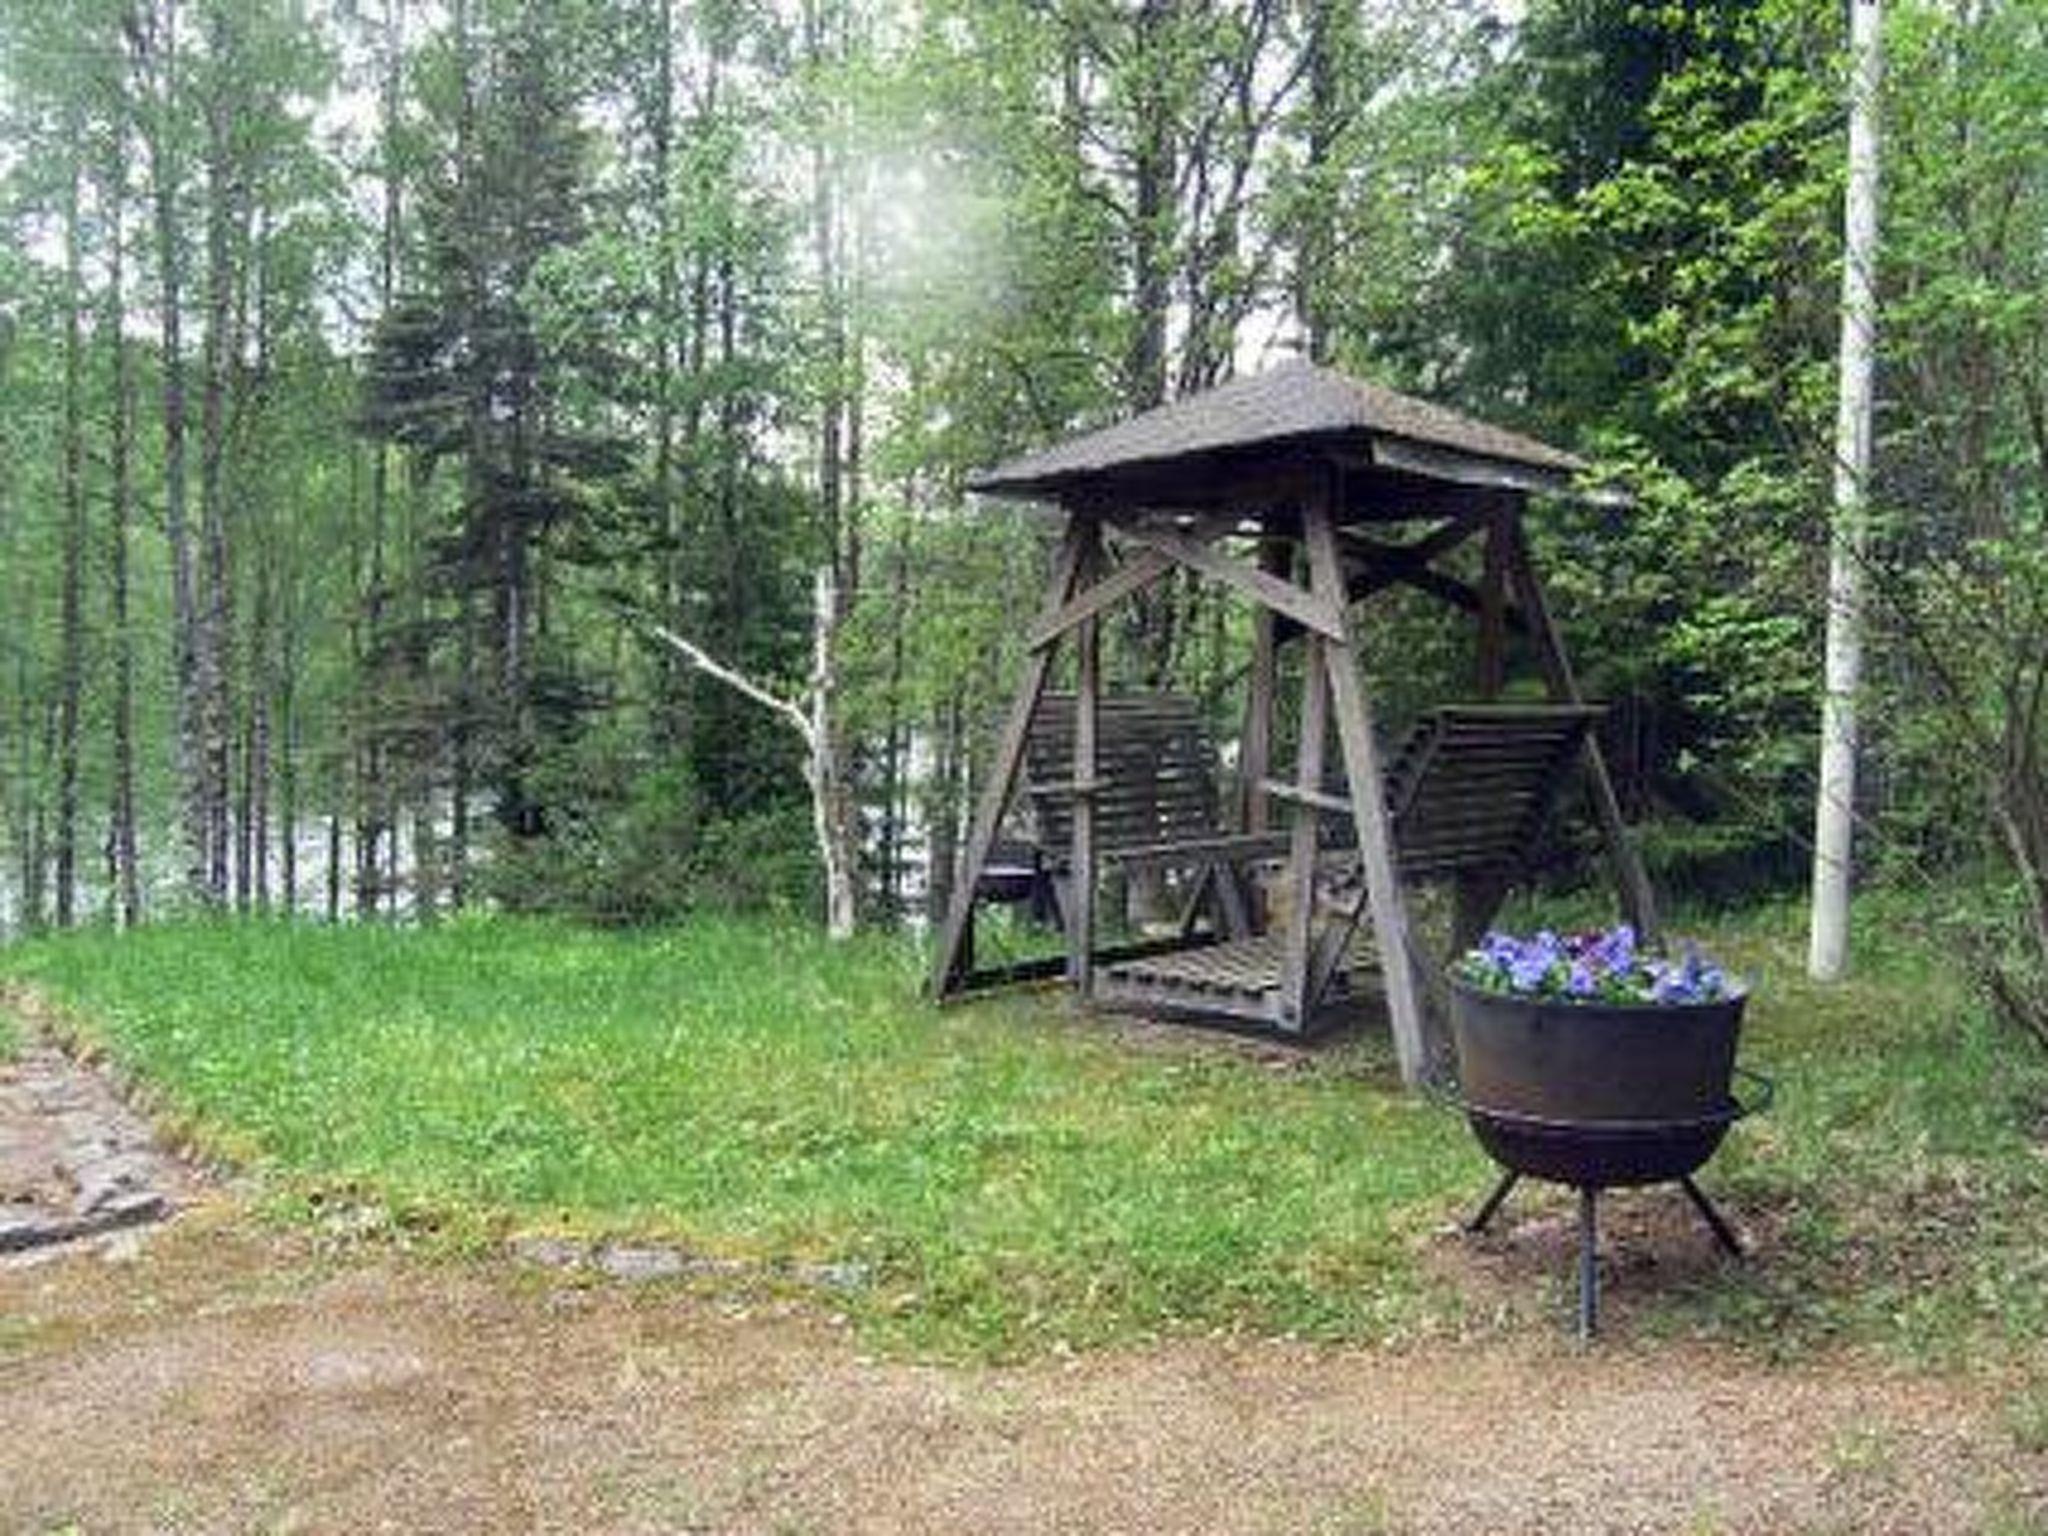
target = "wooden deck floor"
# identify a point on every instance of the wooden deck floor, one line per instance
(1239, 980)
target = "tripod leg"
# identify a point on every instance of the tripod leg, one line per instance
(1494, 1201)
(1723, 1233)
(1589, 1273)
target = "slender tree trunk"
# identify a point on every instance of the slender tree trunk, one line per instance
(1828, 950)
(157, 49)
(262, 687)
(460, 771)
(1152, 613)
(1152, 211)
(946, 794)
(27, 815)
(121, 832)
(1312, 258)
(672, 340)
(244, 819)
(895, 746)
(334, 866)
(834, 590)
(215, 690)
(288, 767)
(71, 656)
(831, 813)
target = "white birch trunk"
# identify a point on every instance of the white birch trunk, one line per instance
(1828, 951)
(812, 719)
(830, 816)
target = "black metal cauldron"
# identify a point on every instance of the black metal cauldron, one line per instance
(1599, 1096)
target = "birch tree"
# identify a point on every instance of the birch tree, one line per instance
(1828, 949)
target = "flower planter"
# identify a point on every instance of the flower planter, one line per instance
(1594, 1061)
(1586, 1063)
(1599, 1094)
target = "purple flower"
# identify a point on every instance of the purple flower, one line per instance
(1600, 966)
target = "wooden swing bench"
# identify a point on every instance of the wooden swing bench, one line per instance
(1155, 797)
(1467, 796)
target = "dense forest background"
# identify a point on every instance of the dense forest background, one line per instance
(377, 375)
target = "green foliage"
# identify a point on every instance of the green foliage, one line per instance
(597, 276)
(634, 842)
(1645, 269)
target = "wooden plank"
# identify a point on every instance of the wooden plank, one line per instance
(1225, 845)
(1636, 898)
(1323, 615)
(1315, 799)
(1435, 462)
(954, 939)
(1368, 808)
(1128, 579)
(1054, 967)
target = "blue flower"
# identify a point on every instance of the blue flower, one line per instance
(1606, 966)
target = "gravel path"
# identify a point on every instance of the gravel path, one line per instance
(228, 1378)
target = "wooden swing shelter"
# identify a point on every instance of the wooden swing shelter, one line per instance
(1308, 493)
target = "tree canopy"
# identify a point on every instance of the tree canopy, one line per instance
(377, 377)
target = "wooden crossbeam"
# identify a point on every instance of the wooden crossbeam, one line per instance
(1128, 579)
(1306, 609)
(1435, 544)
(1374, 565)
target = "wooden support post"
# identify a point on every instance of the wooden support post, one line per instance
(951, 957)
(1368, 802)
(1255, 752)
(1637, 902)
(1297, 953)
(1493, 603)
(1087, 707)
(1478, 896)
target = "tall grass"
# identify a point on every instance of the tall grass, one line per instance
(1007, 1177)
(755, 1092)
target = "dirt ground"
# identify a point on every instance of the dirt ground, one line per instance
(219, 1375)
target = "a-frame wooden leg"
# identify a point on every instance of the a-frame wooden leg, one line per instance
(1637, 901)
(949, 960)
(1368, 803)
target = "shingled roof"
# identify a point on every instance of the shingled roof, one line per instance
(1296, 401)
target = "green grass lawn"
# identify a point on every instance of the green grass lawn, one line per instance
(1010, 1177)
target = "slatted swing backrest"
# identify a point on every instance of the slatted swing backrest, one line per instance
(1155, 772)
(1471, 789)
